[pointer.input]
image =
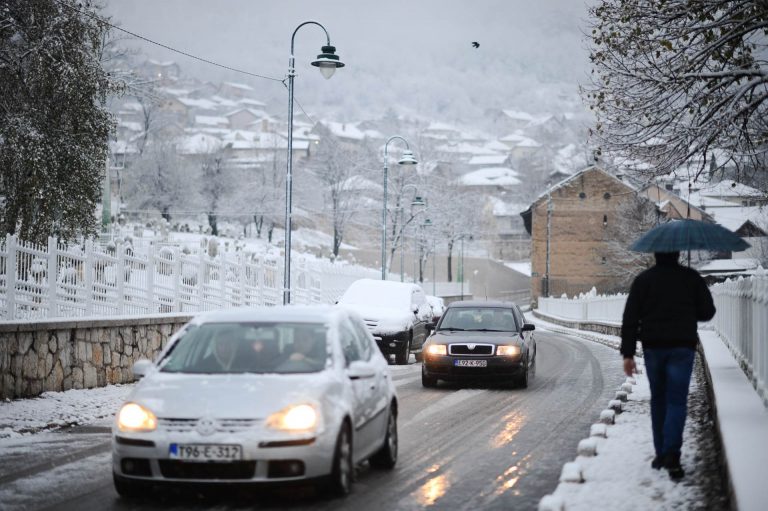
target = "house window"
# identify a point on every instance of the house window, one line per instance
(605, 220)
(668, 187)
(582, 195)
(605, 260)
(607, 195)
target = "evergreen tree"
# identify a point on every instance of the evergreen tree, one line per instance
(54, 126)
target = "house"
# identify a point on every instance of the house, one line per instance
(235, 90)
(161, 72)
(672, 205)
(243, 118)
(490, 180)
(567, 225)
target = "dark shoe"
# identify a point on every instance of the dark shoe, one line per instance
(657, 463)
(672, 464)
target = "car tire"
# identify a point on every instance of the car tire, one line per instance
(429, 382)
(340, 480)
(401, 358)
(128, 489)
(386, 457)
(419, 356)
(522, 380)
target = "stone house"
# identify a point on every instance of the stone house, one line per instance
(566, 248)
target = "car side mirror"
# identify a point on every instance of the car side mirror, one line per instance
(415, 308)
(141, 368)
(430, 327)
(360, 369)
(528, 326)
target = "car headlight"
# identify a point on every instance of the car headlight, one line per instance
(134, 417)
(302, 417)
(508, 351)
(437, 349)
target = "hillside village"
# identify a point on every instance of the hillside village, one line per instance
(210, 157)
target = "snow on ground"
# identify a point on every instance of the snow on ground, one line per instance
(523, 267)
(59, 409)
(620, 476)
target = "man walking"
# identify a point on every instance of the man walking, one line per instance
(664, 304)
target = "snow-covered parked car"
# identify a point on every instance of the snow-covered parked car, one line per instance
(396, 313)
(267, 395)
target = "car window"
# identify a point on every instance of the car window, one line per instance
(350, 347)
(364, 339)
(226, 348)
(479, 318)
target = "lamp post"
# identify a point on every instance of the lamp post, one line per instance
(407, 159)
(417, 202)
(422, 247)
(327, 62)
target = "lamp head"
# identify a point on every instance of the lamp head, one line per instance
(327, 61)
(427, 222)
(418, 201)
(408, 158)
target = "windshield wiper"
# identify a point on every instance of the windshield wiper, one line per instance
(488, 330)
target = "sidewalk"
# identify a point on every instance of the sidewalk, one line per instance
(619, 476)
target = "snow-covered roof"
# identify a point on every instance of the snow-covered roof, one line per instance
(256, 113)
(200, 143)
(488, 159)
(442, 126)
(211, 120)
(163, 63)
(350, 130)
(465, 148)
(491, 176)
(251, 102)
(222, 101)
(729, 265)
(173, 91)
(729, 188)
(132, 105)
(568, 179)
(519, 115)
(502, 208)
(205, 104)
(495, 145)
(122, 147)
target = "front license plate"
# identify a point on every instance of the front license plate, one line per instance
(470, 363)
(205, 452)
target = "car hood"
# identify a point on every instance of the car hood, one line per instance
(448, 337)
(234, 396)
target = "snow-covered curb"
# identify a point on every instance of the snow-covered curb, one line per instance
(614, 471)
(742, 422)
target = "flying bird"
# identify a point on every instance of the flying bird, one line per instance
(475, 44)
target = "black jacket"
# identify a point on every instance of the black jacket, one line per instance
(664, 304)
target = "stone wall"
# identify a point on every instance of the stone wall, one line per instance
(61, 355)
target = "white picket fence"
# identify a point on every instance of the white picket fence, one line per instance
(585, 308)
(742, 322)
(56, 281)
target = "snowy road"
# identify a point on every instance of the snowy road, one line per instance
(461, 448)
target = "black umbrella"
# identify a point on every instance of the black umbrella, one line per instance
(680, 235)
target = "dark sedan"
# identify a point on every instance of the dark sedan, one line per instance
(480, 340)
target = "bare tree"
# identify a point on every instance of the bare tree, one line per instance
(633, 217)
(217, 183)
(674, 81)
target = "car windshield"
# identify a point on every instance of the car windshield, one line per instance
(479, 318)
(225, 348)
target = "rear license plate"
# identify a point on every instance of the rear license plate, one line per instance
(470, 363)
(205, 452)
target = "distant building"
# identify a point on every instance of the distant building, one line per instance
(163, 73)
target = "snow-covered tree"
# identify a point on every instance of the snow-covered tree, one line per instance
(54, 126)
(674, 80)
(217, 183)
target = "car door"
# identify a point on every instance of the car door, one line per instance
(363, 386)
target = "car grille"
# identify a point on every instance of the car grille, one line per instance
(222, 425)
(470, 349)
(173, 469)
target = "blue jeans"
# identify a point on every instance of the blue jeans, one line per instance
(669, 374)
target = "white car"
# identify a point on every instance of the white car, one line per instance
(438, 307)
(396, 313)
(273, 394)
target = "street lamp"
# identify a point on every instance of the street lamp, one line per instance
(406, 159)
(417, 202)
(327, 62)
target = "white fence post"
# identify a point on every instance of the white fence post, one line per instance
(52, 276)
(151, 279)
(88, 275)
(120, 277)
(177, 279)
(10, 276)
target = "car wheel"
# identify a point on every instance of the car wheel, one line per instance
(386, 457)
(401, 358)
(427, 381)
(340, 483)
(419, 356)
(128, 489)
(522, 380)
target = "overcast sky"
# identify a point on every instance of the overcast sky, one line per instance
(412, 55)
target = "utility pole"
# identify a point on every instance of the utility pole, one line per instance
(549, 241)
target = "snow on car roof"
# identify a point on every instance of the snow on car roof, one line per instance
(376, 292)
(295, 313)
